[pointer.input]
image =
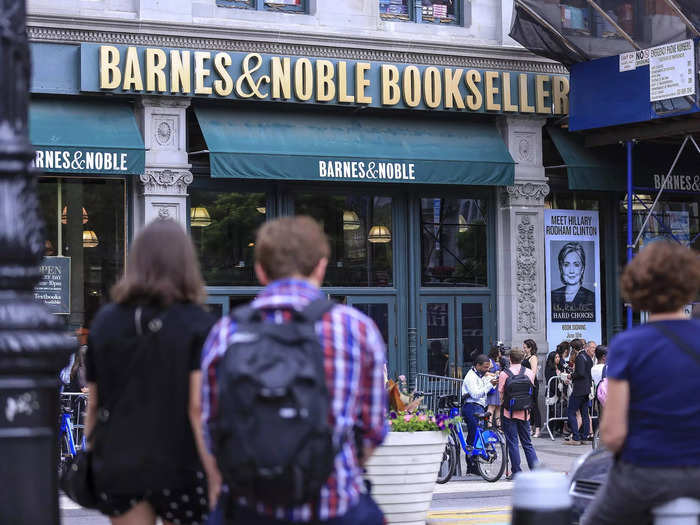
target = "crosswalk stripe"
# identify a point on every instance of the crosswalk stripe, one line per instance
(437, 513)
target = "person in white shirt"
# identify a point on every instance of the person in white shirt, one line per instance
(477, 384)
(601, 358)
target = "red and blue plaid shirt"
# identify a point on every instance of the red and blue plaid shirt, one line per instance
(354, 356)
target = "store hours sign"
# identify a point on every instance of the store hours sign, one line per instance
(53, 289)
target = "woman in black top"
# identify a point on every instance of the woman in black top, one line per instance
(143, 372)
(531, 362)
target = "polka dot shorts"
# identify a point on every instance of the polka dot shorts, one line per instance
(181, 507)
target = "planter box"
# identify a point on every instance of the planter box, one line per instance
(403, 471)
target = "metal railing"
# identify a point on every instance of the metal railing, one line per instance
(432, 387)
(558, 411)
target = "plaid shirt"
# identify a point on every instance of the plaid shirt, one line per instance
(354, 355)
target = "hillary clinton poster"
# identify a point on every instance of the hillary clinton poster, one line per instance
(573, 275)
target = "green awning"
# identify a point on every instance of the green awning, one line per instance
(600, 169)
(249, 144)
(84, 136)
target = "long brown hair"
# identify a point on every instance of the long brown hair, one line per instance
(162, 268)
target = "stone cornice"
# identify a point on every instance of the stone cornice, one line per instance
(72, 30)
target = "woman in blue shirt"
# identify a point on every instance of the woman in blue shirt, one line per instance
(655, 439)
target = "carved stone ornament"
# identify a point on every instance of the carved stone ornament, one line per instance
(164, 132)
(524, 150)
(163, 212)
(166, 181)
(37, 31)
(526, 276)
(528, 193)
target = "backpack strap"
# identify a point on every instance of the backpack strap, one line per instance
(522, 371)
(682, 345)
(509, 373)
(316, 309)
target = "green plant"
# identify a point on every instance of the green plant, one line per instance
(420, 422)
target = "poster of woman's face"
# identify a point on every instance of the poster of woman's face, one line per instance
(573, 281)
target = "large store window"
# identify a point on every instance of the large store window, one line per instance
(454, 242)
(286, 6)
(360, 230)
(223, 226)
(427, 11)
(85, 240)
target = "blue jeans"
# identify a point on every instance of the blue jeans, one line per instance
(577, 403)
(366, 512)
(514, 429)
(468, 411)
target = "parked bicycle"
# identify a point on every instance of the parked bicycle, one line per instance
(71, 437)
(488, 450)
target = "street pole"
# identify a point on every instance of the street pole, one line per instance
(33, 343)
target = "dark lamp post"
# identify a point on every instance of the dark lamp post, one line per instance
(34, 346)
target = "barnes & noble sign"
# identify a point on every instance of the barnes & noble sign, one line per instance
(252, 76)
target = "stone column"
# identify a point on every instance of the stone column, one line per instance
(520, 237)
(162, 192)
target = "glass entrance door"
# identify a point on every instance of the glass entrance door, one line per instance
(382, 310)
(454, 330)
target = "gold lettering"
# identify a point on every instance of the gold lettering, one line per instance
(490, 90)
(541, 94)
(110, 75)
(525, 107)
(475, 100)
(432, 87)
(452, 94)
(560, 88)
(343, 83)
(507, 105)
(391, 93)
(200, 72)
(303, 79)
(223, 87)
(325, 87)
(281, 73)
(361, 83)
(155, 63)
(180, 71)
(132, 71)
(411, 86)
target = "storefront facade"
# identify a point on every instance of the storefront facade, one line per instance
(428, 179)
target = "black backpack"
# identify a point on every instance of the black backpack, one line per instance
(517, 391)
(271, 436)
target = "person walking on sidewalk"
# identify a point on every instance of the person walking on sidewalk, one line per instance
(142, 368)
(578, 402)
(653, 437)
(475, 388)
(515, 385)
(291, 255)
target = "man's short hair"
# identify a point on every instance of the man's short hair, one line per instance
(290, 246)
(516, 356)
(481, 359)
(601, 351)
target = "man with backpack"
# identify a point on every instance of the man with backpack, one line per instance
(293, 398)
(516, 385)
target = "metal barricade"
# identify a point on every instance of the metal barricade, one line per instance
(77, 402)
(432, 387)
(558, 411)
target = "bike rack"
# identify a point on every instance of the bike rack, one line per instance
(559, 408)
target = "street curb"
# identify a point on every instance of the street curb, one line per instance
(470, 495)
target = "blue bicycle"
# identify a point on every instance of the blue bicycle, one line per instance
(68, 432)
(488, 451)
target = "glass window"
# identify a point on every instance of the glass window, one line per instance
(395, 9)
(84, 245)
(454, 247)
(431, 11)
(223, 226)
(360, 231)
(290, 6)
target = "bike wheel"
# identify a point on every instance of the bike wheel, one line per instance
(449, 461)
(492, 469)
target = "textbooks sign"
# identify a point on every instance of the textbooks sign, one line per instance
(573, 275)
(54, 287)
